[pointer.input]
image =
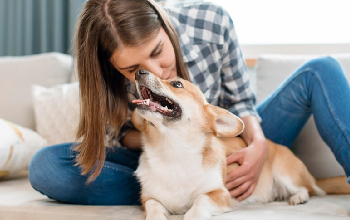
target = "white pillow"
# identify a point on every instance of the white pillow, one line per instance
(57, 112)
(17, 146)
(19, 73)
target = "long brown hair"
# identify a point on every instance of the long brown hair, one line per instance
(103, 27)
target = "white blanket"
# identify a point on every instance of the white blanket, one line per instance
(19, 201)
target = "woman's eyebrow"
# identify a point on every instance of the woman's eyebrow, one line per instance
(155, 48)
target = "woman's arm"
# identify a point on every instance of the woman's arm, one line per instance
(132, 140)
(242, 181)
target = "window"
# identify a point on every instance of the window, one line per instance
(295, 26)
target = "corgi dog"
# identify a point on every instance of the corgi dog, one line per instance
(182, 168)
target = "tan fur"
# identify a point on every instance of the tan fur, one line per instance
(212, 116)
(211, 155)
(220, 197)
(334, 185)
(189, 91)
(290, 165)
(210, 158)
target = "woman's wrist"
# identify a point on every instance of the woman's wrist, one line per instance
(259, 139)
(252, 132)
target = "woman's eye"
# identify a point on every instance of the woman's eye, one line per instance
(158, 52)
(176, 84)
(131, 71)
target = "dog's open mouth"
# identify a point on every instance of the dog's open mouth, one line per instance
(158, 103)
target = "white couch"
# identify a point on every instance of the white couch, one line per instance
(19, 201)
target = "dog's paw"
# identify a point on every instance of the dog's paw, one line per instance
(299, 198)
(193, 214)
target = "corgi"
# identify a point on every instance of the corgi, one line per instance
(182, 168)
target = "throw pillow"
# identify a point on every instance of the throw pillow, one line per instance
(57, 112)
(17, 146)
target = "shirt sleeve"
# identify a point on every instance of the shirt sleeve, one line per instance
(237, 95)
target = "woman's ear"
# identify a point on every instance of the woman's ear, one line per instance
(137, 120)
(222, 122)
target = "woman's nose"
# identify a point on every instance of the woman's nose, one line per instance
(155, 69)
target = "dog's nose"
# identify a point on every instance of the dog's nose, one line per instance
(140, 72)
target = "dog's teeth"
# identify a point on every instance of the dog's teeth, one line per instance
(147, 101)
(169, 101)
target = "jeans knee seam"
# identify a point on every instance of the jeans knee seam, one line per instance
(329, 107)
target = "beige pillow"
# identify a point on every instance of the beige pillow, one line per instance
(57, 112)
(17, 74)
(17, 146)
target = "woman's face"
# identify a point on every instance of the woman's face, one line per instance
(156, 56)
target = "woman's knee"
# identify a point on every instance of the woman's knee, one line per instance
(324, 67)
(52, 173)
(43, 164)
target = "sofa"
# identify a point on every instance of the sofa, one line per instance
(39, 93)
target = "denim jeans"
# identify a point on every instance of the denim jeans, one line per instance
(319, 87)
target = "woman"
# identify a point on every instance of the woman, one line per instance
(115, 38)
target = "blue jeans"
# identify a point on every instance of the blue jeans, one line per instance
(319, 87)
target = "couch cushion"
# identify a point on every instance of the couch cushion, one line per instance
(17, 74)
(272, 70)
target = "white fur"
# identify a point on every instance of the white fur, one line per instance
(172, 172)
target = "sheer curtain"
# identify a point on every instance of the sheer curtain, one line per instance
(37, 26)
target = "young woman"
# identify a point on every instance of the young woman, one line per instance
(115, 38)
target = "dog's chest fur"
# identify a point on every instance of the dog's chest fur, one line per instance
(173, 173)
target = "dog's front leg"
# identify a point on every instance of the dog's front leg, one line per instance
(215, 202)
(155, 210)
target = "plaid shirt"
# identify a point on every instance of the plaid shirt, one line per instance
(213, 56)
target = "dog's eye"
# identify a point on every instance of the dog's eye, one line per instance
(176, 84)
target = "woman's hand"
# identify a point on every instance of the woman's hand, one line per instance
(242, 181)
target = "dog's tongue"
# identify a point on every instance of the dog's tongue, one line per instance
(152, 105)
(137, 101)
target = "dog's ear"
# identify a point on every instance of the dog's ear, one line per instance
(137, 120)
(222, 122)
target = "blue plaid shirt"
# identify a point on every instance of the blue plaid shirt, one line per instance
(213, 56)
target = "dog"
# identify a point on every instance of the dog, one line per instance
(182, 168)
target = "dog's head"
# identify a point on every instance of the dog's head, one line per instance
(178, 104)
